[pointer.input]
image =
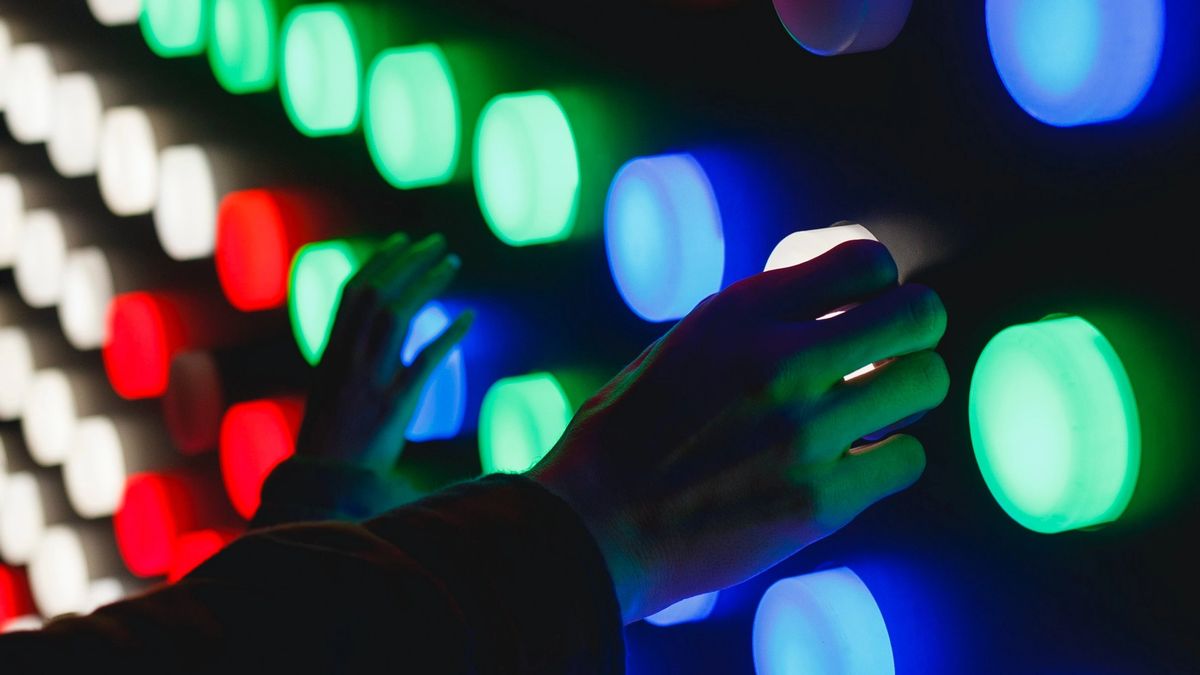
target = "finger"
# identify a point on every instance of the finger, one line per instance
(387, 349)
(904, 320)
(901, 389)
(391, 247)
(859, 480)
(414, 378)
(850, 273)
(393, 280)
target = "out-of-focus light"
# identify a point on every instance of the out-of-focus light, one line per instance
(1073, 62)
(194, 403)
(413, 122)
(15, 599)
(21, 623)
(321, 70)
(107, 590)
(6, 44)
(258, 233)
(175, 27)
(30, 99)
(1055, 425)
(832, 27)
(156, 510)
(696, 608)
(443, 403)
(318, 276)
(73, 143)
(87, 290)
(128, 161)
(103, 453)
(17, 196)
(527, 169)
(242, 45)
(31, 503)
(116, 12)
(63, 566)
(17, 365)
(185, 215)
(255, 437)
(194, 548)
(41, 257)
(825, 622)
(55, 400)
(520, 421)
(808, 245)
(664, 236)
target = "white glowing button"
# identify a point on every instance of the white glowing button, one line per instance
(696, 608)
(58, 573)
(74, 140)
(801, 247)
(29, 622)
(22, 518)
(186, 215)
(49, 416)
(87, 288)
(41, 256)
(832, 27)
(95, 469)
(5, 55)
(16, 371)
(106, 591)
(12, 213)
(128, 161)
(116, 12)
(30, 96)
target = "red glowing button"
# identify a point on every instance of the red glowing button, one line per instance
(194, 548)
(255, 437)
(157, 509)
(15, 599)
(144, 332)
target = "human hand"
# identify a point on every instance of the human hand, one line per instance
(727, 445)
(363, 397)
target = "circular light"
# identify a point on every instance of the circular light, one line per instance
(255, 437)
(22, 623)
(12, 214)
(697, 608)
(95, 470)
(242, 45)
(58, 573)
(116, 12)
(412, 117)
(23, 516)
(30, 97)
(664, 236)
(808, 245)
(826, 622)
(156, 509)
(321, 70)
(194, 549)
(15, 599)
(1073, 62)
(194, 402)
(832, 27)
(106, 591)
(1055, 425)
(74, 140)
(443, 403)
(145, 331)
(17, 366)
(527, 169)
(174, 27)
(520, 421)
(6, 44)
(128, 161)
(41, 256)
(87, 290)
(185, 216)
(49, 417)
(318, 277)
(258, 233)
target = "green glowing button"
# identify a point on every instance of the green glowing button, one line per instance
(520, 421)
(174, 27)
(527, 169)
(321, 70)
(242, 44)
(318, 276)
(412, 117)
(1055, 425)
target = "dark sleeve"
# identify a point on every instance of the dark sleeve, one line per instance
(306, 489)
(493, 576)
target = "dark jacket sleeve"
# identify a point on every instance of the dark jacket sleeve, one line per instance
(493, 576)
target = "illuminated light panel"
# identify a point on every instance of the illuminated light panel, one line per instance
(321, 70)
(116, 12)
(106, 591)
(194, 403)
(664, 236)
(808, 245)
(29, 505)
(144, 332)
(73, 143)
(1074, 62)
(95, 469)
(15, 600)
(174, 28)
(41, 257)
(258, 233)
(696, 608)
(833, 27)
(1055, 425)
(825, 622)
(6, 44)
(255, 437)
(87, 290)
(527, 169)
(49, 417)
(443, 403)
(60, 571)
(22, 623)
(128, 161)
(157, 509)
(242, 45)
(413, 123)
(185, 215)
(318, 276)
(12, 214)
(30, 87)
(17, 365)
(520, 421)
(194, 549)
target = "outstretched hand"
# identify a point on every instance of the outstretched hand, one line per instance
(730, 443)
(363, 397)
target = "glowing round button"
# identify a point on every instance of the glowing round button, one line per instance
(174, 27)
(801, 247)
(321, 70)
(664, 236)
(242, 45)
(832, 27)
(688, 610)
(256, 436)
(1055, 425)
(443, 403)
(527, 169)
(318, 276)
(520, 421)
(1073, 62)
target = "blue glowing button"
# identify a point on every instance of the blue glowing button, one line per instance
(826, 622)
(695, 608)
(1073, 62)
(663, 232)
(444, 401)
